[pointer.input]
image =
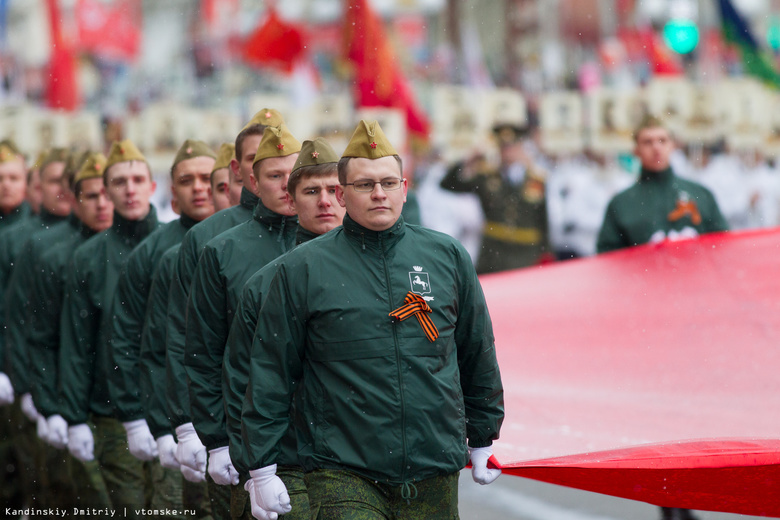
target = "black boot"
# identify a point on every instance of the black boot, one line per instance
(674, 513)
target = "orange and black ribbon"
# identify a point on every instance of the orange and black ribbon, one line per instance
(416, 306)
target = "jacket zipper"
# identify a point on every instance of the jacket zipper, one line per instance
(397, 362)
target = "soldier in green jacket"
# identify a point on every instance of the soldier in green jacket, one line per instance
(387, 408)
(192, 245)
(513, 200)
(86, 326)
(227, 261)
(94, 213)
(312, 189)
(660, 205)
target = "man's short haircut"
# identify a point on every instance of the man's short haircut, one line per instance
(256, 129)
(648, 121)
(344, 161)
(315, 171)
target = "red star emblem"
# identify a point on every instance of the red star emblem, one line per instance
(122, 150)
(280, 146)
(373, 145)
(189, 151)
(268, 115)
(97, 167)
(315, 154)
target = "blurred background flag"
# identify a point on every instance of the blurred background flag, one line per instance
(737, 32)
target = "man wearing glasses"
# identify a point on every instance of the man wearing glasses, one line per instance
(381, 331)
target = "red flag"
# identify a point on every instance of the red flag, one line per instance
(662, 60)
(61, 89)
(110, 31)
(648, 373)
(275, 43)
(379, 81)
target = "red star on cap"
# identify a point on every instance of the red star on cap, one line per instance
(122, 150)
(97, 167)
(373, 145)
(315, 154)
(268, 115)
(280, 146)
(189, 151)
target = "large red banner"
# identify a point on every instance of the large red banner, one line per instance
(649, 373)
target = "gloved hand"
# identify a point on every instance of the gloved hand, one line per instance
(41, 428)
(139, 440)
(166, 447)
(58, 431)
(28, 407)
(267, 494)
(479, 470)
(221, 468)
(191, 475)
(190, 452)
(6, 390)
(81, 444)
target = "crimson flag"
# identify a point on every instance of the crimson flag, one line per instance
(275, 43)
(61, 87)
(379, 81)
(648, 373)
(111, 31)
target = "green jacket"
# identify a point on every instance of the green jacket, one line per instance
(191, 247)
(20, 212)
(516, 228)
(152, 356)
(235, 367)
(91, 280)
(43, 336)
(376, 397)
(659, 203)
(227, 262)
(18, 319)
(129, 308)
(12, 241)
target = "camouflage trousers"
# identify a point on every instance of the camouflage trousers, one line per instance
(292, 476)
(220, 498)
(344, 495)
(128, 480)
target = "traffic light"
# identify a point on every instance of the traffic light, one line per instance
(681, 35)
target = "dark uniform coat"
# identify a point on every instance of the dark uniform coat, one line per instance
(376, 396)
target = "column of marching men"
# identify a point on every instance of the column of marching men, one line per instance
(210, 366)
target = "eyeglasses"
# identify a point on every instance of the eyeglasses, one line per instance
(388, 184)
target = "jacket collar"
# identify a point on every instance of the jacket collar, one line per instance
(47, 219)
(248, 199)
(186, 221)
(273, 221)
(135, 229)
(656, 175)
(303, 235)
(374, 239)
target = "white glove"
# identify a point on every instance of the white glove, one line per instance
(267, 494)
(166, 447)
(140, 440)
(81, 444)
(28, 407)
(6, 390)
(479, 470)
(58, 431)
(191, 475)
(191, 452)
(221, 468)
(41, 428)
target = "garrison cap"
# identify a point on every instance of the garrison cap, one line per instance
(39, 159)
(191, 149)
(277, 142)
(265, 117)
(55, 155)
(9, 151)
(93, 167)
(314, 152)
(123, 151)
(369, 141)
(227, 152)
